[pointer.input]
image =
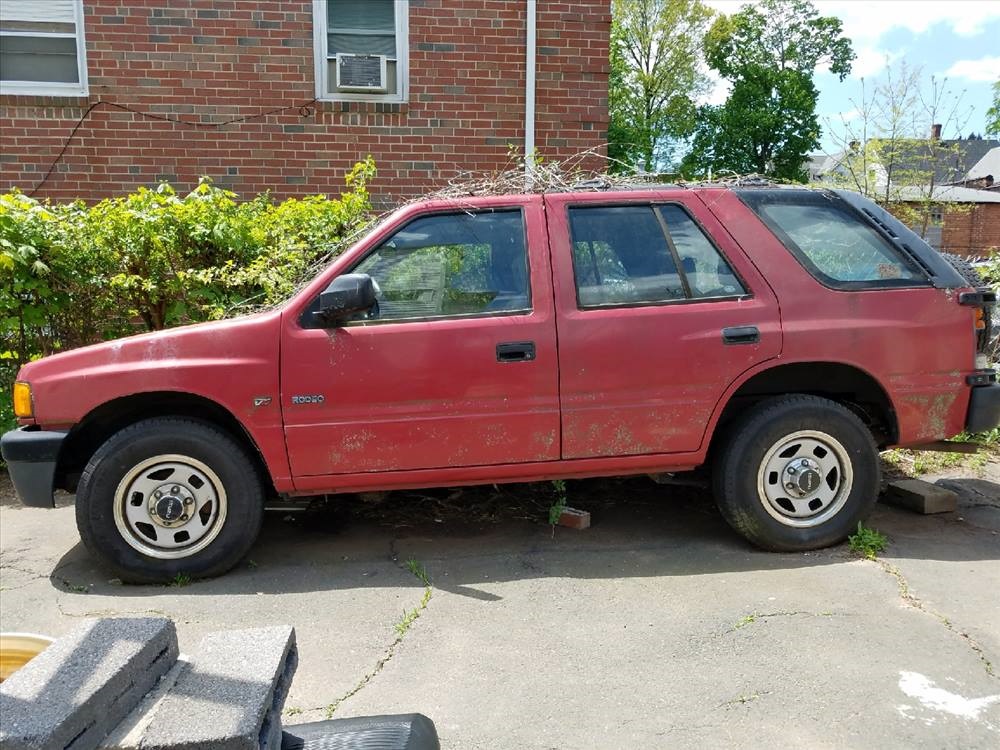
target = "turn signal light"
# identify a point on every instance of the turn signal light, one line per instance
(980, 319)
(22, 400)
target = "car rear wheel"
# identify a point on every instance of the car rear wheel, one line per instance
(169, 497)
(797, 473)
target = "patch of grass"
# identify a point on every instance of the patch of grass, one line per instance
(894, 458)
(744, 621)
(917, 463)
(293, 711)
(410, 617)
(988, 439)
(180, 580)
(867, 542)
(922, 464)
(419, 571)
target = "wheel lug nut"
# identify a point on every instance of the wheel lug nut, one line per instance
(791, 470)
(188, 501)
(175, 489)
(157, 494)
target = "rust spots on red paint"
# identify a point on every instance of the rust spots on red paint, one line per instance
(935, 410)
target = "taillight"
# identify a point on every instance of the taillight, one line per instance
(982, 301)
(980, 319)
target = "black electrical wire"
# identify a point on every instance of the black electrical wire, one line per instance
(305, 110)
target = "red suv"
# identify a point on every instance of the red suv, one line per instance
(782, 335)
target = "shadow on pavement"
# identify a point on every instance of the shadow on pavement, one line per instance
(487, 534)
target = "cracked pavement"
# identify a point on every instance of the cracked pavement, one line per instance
(656, 627)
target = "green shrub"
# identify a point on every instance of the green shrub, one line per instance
(72, 275)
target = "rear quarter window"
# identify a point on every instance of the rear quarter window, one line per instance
(836, 245)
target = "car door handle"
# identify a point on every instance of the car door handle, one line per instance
(741, 335)
(516, 351)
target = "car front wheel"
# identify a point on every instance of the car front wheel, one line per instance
(169, 497)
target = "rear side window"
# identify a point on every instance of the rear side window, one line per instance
(630, 255)
(837, 246)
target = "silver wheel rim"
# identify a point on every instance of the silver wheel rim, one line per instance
(170, 506)
(805, 478)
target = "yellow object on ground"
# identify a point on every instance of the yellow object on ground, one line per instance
(17, 649)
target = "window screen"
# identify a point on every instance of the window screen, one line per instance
(640, 254)
(41, 48)
(451, 265)
(363, 27)
(836, 245)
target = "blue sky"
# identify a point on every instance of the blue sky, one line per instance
(956, 40)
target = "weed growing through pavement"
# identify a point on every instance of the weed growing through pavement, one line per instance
(557, 508)
(867, 542)
(408, 618)
(401, 629)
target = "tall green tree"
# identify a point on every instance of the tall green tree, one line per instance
(769, 52)
(993, 113)
(655, 79)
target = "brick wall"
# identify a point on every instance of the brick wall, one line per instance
(972, 232)
(209, 60)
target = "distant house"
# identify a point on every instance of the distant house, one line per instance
(985, 173)
(976, 231)
(931, 184)
(428, 87)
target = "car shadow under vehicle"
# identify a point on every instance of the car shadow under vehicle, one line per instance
(471, 536)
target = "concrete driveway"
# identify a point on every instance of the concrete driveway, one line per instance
(657, 627)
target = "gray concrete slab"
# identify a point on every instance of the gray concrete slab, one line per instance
(230, 695)
(920, 496)
(78, 689)
(657, 627)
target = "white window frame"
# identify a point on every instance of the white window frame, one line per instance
(324, 89)
(55, 88)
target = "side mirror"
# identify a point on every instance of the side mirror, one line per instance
(347, 295)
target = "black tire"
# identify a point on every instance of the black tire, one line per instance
(224, 461)
(740, 474)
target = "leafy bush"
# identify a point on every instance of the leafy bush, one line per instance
(72, 275)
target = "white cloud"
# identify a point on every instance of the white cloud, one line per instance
(867, 20)
(870, 61)
(984, 69)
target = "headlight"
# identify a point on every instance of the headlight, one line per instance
(22, 400)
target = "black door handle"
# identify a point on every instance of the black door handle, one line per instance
(741, 335)
(516, 351)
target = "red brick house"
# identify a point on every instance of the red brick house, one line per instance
(427, 87)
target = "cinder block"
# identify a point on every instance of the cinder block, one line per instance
(573, 518)
(77, 690)
(230, 697)
(920, 497)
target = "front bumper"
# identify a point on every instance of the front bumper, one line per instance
(984, 408)
(32, 456)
